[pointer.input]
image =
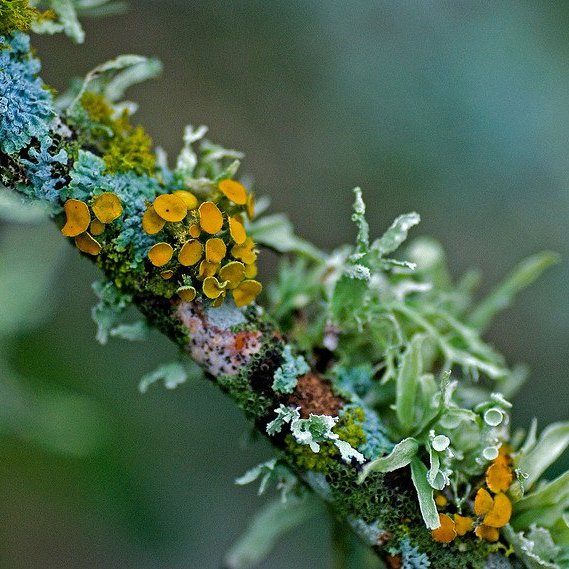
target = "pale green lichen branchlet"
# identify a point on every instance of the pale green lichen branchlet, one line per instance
(382, 398)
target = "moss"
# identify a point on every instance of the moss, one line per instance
(348, 428)
(16, 15)
(130, 153)
(97, 107)
(255, 405)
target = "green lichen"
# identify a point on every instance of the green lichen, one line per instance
(16, 15)
(348, 429)
(130, 152)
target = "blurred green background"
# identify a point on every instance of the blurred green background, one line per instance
(457, 110)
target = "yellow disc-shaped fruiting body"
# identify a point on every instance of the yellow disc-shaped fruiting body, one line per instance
(96, 227)
(446, 532)
(246, 292)
(87, 244)
(170, 207)
(188, 198)
(152, 223)
(237, 229)
(78, 218)
(107, 207)
(190, 253)
(211, 218)
(234, 191)
(187, 293)
(160, 254)
(232, 273)
(212, 288)
(215, 250)
(245, 252)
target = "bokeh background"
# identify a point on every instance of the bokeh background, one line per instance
(459, 110)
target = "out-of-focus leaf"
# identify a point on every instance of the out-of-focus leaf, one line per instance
(396, 234)
(14, 209)
(406, 383)
(276, 232)
(267, 527)
(551, 443)
(524, 274)
(29, 260)
(173, 374)
(537, 550)
(60, 422)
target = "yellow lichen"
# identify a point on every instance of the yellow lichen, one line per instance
(245, 252)
(234, 191)
(462, 524)
(500, 513)
(160, 254)
(195, 230)
(167, 275)
(446, 532)
(87, 244)
(207, 270)
(215, 250)
(78, 218)
(246, 292)
(188, 198)
(250, 206)
(170, 207)
(499, 476)
(190, 253)
(211, 218)
(237, 229)
(487, 533)
(187, 293)
(107, 207)
(96, 227)
(212, 288)
(233, 273)
(152, 223)
(483, 502)
(251, 271)
(441, 501)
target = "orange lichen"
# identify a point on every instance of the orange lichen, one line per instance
(188, 198)
(233, 273)
(167, 275)
(87, 244)
(483, 502)
(107, 207)
(234, 191)
(78, 218)
(211, 218)
(190, 253)
(446, 532)
(152, 223)
(499, 476)
(96, 227)
(215, 250)
(250, 206)
(441, 501)
(194, 230)
(237, 229)
(207, 269)
(487, 533)
(212, 288)
(500, 513)
(246, 292)
(160, 254)
(251, 271)
(187, 293)
(170, 207)
(245, 252)
(462, 524)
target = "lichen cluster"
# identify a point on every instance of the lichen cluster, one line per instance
(382, 397)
